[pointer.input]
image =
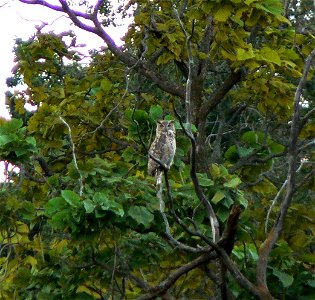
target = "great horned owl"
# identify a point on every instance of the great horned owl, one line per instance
(163, 148)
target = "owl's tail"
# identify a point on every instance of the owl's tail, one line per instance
(159, 176)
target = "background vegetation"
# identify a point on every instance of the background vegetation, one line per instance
(80, 218)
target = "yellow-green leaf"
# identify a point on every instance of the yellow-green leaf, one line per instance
(269, 55)
(244, 54)
(218, 196)
(223, 13)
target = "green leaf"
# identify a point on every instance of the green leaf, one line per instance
(215, 171)
(231, 154)
(129, 154)
(233, 183)
(244, 54)
(218, 196)
(192, 126)
(11, 126)
(54, 205)
(5, 139)
(311, 283)
(156, 112)
(204, 180)
(269, 55)
(141, 214)
(31, 140)
(252, 138)
(223, 13)
(107, 204)
(285, 279)
(243, 152)
(165, 58)
(71, 197)
(106, 85)
(271, 6)
(241, 199)
(89, 206)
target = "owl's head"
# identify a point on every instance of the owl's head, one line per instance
(165, 126)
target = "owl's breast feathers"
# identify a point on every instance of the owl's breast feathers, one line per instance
(163, 148)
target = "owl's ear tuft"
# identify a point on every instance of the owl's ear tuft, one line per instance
(171, 121)
(159, 121)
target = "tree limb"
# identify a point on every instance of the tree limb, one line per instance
(174, 276)
(145, 68)
(215, 98)
(274, 233)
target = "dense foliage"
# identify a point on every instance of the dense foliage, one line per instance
(80, 218)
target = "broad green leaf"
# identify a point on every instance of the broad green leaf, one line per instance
(311, 283)
(241, 199)
(285, 279)
(231, 154)
(223, 213)
(31, 140)
(244, 54)
(192, 126)
(269, 55)
(204, 180)
(164, 58)
(71, 197)
(107, 203)
(156, 112)
(252, 138)
(275, 147)
(141, 214)
(54, 205)
(218, 196)
(89, 206)
(223, 13)
(243, 152)
(11, 126)
(233, 183)
(5, 139)
(271, 6)
(215, 171)
(106, 85)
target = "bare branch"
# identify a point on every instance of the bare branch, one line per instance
(177, 219)
(199, 192)
(274, 233)
(305, 118)
(55, 7)
(145, 68)
(166, 223)
(174, 276)
(74, 155)
(188, 92)
(216, 97)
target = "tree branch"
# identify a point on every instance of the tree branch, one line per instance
(274, 233)
(145, 68)
(55, 7)
(174, 276)
(215, 98)
(199, 192)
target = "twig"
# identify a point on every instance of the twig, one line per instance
(274, 233)
(178, 220)
(190, 70)
(74, 155)
(167, 226)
